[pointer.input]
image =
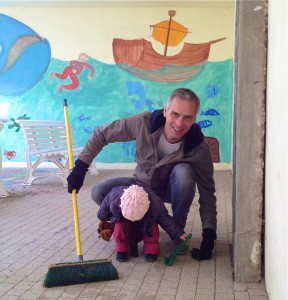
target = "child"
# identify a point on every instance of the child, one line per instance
(136, 212)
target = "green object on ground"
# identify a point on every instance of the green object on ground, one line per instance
(168, 261)
(80, 272)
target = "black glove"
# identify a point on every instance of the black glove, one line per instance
(76, 177)
(207, 245)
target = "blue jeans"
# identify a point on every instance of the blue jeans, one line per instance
(180, 191)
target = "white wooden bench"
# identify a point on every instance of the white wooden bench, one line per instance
(47, 142)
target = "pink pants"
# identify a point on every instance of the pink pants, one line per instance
(151, 243)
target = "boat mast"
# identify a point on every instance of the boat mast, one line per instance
(171, 13)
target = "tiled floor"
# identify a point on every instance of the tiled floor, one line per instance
(36, 229)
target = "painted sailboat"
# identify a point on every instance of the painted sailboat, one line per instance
(139, 58)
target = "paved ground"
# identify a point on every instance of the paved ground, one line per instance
(36, 229)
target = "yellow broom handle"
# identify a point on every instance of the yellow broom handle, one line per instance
(74, 195)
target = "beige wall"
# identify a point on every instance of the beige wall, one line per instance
(72, 30)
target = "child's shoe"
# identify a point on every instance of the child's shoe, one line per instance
(121, 256)
(151, 257)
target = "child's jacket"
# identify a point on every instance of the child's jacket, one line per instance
(110, 210)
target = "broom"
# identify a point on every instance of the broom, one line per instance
(81, 271)
(168, 261)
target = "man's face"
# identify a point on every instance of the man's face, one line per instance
(180, 116)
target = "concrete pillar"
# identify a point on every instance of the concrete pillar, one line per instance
(249, 132)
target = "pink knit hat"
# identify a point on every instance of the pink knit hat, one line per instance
(134, 203)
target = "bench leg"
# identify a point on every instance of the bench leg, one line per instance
(62, 175)
(30, 176)
(3, 192)
(61, 162)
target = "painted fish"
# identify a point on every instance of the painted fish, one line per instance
(88, 129)
(205, 123)
(24, 117)
(210, 112)
(83, 117)
(212, 90)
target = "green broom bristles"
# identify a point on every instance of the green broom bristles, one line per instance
(80, 272)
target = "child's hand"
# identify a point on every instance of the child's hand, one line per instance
(183, 237)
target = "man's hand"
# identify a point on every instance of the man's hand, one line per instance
(76, 178)
(207, 245)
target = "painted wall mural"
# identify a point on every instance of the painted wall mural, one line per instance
(24, 57)
(72, 71)
(98, 93)
(139, 58)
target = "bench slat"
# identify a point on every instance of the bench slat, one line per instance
(41, 123)
(39, 130)
(45, 138)
(46, 135)
(63, 152)
(53, 140)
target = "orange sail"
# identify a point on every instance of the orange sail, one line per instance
(177, 32)
(169, 33)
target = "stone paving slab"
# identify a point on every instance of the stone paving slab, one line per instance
(36, 230)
